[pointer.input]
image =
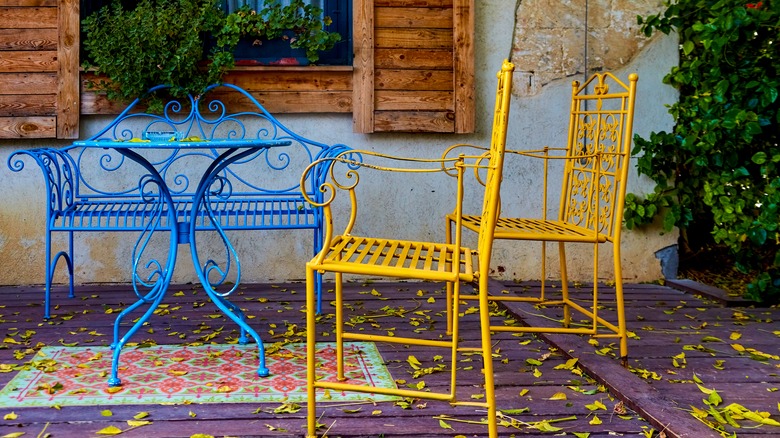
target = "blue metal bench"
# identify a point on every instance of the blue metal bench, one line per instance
(140, 174)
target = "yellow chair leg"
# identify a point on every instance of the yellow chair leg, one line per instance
(619, 302)
(311, 340)
(564, 285)
(339, 289)
(449, 285)
(487, 357)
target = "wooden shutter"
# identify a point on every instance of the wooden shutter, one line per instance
(39, 68)
(414, 66)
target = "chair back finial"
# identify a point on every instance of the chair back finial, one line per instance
(600, 130)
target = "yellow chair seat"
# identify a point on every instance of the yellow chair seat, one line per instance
(397, 258)
(536, 229)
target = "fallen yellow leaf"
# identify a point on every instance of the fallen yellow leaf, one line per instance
(110, 430)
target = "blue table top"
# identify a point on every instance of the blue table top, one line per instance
(184, 143)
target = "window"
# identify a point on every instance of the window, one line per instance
(340, 11)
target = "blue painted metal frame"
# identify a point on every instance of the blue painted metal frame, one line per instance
(251, 182)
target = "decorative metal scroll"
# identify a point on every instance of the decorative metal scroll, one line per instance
(598, 118)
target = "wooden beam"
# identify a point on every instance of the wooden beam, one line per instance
(414, 100)
(414, 38)
(28, 127)
(413, 59)
(414, 121)
(28, 18)
(463, 60)
(440, 18)
(363, 90)
(409, 80)
(18, 3)
(18, 105)
(68, 73)
(414, 3)
(28, 83)
(306, 79)
(20, 61)
(292, 102)
(28, 39)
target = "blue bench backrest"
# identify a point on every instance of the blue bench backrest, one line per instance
(273, 173)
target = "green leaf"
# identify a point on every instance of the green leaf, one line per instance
(444, 425)
(688, 47)
(759, 157)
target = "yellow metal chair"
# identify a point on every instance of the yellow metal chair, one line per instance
(595, 165)
(452, 263)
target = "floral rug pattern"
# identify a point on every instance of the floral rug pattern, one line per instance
(75, 376)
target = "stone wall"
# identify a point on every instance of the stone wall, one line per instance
(549, 39)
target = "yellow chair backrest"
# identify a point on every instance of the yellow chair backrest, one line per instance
(491, 203)
(601, 117)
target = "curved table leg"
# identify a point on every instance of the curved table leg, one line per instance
(204, 271)
(160, 277)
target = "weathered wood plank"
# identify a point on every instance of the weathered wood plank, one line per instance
(414, 100)
(295, 102)
(414, 121)
(440, 18)
(68, 73)
(28, 39)
(292, 80)
(27, 127)
(414, 3)
(20, 105)
(28, 61)
(413, 59)
(275, 102)
(51, 3)
(29, 18)
(28, 83)
(464, 66)
(363, 90)
(413, 38)
(411, 80)
(97, 103)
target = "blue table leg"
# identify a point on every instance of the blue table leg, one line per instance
(160, 277)
(209, 185)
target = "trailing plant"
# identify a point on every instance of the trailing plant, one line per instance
(172, 42)
(157, 42)
(303, 25)
(717, 173)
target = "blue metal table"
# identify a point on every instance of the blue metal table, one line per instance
(158, 195)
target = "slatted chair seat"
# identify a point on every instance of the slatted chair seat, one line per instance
(537, 229)
(399, 258)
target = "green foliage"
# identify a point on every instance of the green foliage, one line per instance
(166, 42)
(301, 24)
(158, 42)
(718, 170)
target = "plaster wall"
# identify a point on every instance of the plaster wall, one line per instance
(410, 207)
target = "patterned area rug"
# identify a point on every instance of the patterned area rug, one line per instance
(76, 376)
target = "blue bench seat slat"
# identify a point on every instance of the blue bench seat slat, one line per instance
(244, 214)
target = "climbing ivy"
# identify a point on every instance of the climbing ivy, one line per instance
(718, 171)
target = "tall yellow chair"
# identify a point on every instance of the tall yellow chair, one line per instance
(452, 263)
(595, 163)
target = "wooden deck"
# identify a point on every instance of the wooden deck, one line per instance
(668, 322)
